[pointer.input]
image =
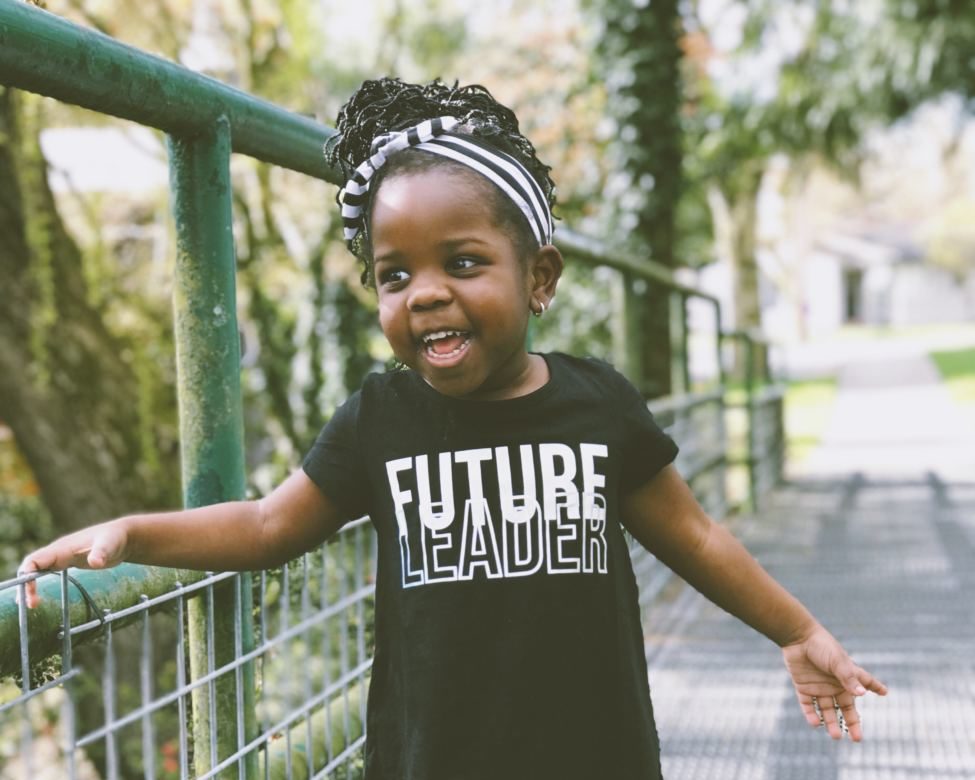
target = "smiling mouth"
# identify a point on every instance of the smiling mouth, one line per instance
(445, 344)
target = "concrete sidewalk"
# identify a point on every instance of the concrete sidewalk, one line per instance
(894, 418)
(877, 537)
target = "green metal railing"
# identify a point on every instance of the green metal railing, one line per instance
(205, 121)
(229, 657)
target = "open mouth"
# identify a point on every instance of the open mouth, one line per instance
(445, 344)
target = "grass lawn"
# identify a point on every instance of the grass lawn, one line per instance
(808, 404)
(957, 368)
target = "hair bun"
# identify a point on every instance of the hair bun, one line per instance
(387, 104)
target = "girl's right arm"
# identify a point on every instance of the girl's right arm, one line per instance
(232, 536)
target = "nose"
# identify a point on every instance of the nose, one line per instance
(429, 290)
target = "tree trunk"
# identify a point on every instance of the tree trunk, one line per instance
(735, 211)
(744, 265)
(68, 389)
(640, 52)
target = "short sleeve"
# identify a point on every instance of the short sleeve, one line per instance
(335, 462)
(646, 448)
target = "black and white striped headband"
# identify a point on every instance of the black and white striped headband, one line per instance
(433, 135)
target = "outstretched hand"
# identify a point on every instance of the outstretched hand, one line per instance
(827, 683)
(97, 547)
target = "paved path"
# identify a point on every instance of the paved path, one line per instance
(895, 419)
(877, 537)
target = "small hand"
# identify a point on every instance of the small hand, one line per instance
(97, 547)
(827, 683)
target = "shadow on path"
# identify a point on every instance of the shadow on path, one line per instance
(884, 556)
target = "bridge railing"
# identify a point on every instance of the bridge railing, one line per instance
(123, 696)
(142, 671)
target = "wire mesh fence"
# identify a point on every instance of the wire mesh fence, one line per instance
(122, 699)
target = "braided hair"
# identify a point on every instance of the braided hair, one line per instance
(389, 104)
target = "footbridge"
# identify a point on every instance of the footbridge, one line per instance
(157, 673)
(875, 532)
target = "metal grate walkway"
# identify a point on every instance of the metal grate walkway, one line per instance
(888, 565)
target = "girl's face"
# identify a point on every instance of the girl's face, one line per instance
(454, 296)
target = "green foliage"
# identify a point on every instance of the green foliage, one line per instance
(129, 289)
(856, 66)
(25, 524)
(318, 656)
(639, 60)
(421, 40)
(90, 695)
(936, 38)
(356, 331)
(957, 368)
(38, 236)
(808, 405)
(831, 71)
(435, 41)
(814, 107)
(639, 57)
(951, 238)
(579, 321)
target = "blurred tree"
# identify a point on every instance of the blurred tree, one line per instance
(638, 58)
(90, 405)
(933, 54)
(806, 104)
(72, 391)
(86, 353)
(951, 238)
(838, 70)
(124, 367)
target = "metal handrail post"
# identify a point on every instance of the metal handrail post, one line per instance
(750, 411)
(722, 401)
(211, 420)
(680, 374)
(627, 333)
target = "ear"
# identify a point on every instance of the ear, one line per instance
(545, 270)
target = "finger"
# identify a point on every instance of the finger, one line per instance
(858, 681)
(871, 683)
(809, 711)
(107, 549)
(54, 557)
(850, 715)
(58, 556)
(30, 594)
(30, 588)
(830, 719)
(30, 565)
(849, 674)
(99, 556)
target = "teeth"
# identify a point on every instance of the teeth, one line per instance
(430, 338)
(440, 334)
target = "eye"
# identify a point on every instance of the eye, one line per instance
(463, 263)
(392, 276)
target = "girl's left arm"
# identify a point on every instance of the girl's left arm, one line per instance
(664, 517)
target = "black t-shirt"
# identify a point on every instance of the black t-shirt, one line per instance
(508, 635)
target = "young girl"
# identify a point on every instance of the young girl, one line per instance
(508, 635)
